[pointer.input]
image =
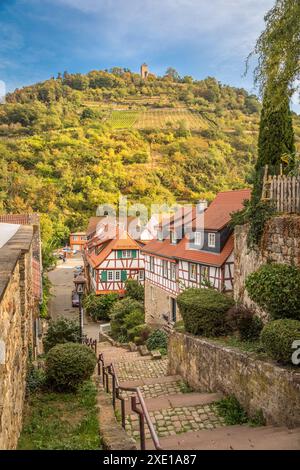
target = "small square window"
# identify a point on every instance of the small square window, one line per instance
(110, 275)
(212, 240)
(117, 275)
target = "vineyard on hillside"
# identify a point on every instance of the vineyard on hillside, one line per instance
(161, 118)
(123, 119)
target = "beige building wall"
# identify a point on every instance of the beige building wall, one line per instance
(158, 305)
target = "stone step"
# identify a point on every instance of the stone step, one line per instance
(136, 370)
(180, 401)
(166, 379)
(171, 415)
(233, 438)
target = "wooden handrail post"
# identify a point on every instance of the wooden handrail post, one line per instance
(141, 422)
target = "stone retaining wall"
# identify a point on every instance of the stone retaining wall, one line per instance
(17, 312)
(280, 244)
(258, 385)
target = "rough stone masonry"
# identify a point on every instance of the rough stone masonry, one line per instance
(17, 313)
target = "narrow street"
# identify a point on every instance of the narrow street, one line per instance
(60, 304)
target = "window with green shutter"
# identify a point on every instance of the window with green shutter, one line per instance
(123, 276)
(104, 276)
(133, 253)
(119, 253)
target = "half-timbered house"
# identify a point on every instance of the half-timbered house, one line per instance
(111, 257)
(185, 255)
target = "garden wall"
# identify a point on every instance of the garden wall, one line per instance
(17, 313)
(258, 385)
(280, 244)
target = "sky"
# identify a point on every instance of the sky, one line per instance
(39, 38)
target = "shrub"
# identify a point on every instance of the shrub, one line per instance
(243, 320)
(61, 331)
(203, 311)
(35, 379)
(277, 338)
(119, 313)
(134, 289)
(68, 365)
(98, 306)
(157, 340)
(139, 334)
(276, 289)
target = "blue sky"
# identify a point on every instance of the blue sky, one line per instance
(39, 38)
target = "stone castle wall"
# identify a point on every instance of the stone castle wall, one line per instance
(259, 386)
(280, 244)
(17, 313)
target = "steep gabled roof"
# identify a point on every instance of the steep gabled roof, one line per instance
(123, 241)
(217, 215)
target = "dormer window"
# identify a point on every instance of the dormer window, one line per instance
(212, 240)
(197, 238)
(173, 238)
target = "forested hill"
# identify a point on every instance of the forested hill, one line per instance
(71, 143)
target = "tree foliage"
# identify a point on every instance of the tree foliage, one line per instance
(278, 50)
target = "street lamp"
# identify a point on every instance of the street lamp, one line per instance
(80, 283)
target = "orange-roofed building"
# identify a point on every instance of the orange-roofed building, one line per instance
(195, 248)
(111, 257)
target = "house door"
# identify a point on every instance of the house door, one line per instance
(173, 309)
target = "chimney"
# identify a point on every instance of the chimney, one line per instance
(201, 205)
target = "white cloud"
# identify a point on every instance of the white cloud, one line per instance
(230, 26)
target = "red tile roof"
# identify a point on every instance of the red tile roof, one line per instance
(123, 241)
(217, 215)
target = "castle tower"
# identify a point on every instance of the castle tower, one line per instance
(144, 71)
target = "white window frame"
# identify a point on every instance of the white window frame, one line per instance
(152, 264)
(173, 271)
(117, 276)
(198, 238)
(110, 276)
(126, 254)
(165, 268)
(141, 275)
(75, 238)
(173, 238)
(160, 236)
(211, 240)
(191, 278)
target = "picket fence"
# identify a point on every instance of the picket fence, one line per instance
(284, 191)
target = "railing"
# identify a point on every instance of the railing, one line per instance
(283, 190)
(138, 404)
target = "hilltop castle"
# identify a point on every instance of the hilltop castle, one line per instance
(144, 71)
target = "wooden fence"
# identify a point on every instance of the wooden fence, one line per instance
(284, 191)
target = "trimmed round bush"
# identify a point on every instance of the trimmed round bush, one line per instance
(139, 334)
(243, 320)
(68, 365)
(276, 289)
(277, 338)
(61, 331)
(157, 340)
(204, 311)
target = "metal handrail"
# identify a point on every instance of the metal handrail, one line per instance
(138, 404)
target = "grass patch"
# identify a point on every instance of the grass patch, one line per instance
(233, 413)
(61, 421)
(248, 346)
(185, 387)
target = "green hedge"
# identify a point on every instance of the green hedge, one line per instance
(98, 306)
(277, 338)
(68, 365)
(276, 289)
(242, 320)
(125, 315)
(204, 311)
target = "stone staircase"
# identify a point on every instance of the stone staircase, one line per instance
(184, 419)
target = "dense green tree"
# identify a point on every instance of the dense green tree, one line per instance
(276, 136)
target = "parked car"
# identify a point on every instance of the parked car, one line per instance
(75, 299)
